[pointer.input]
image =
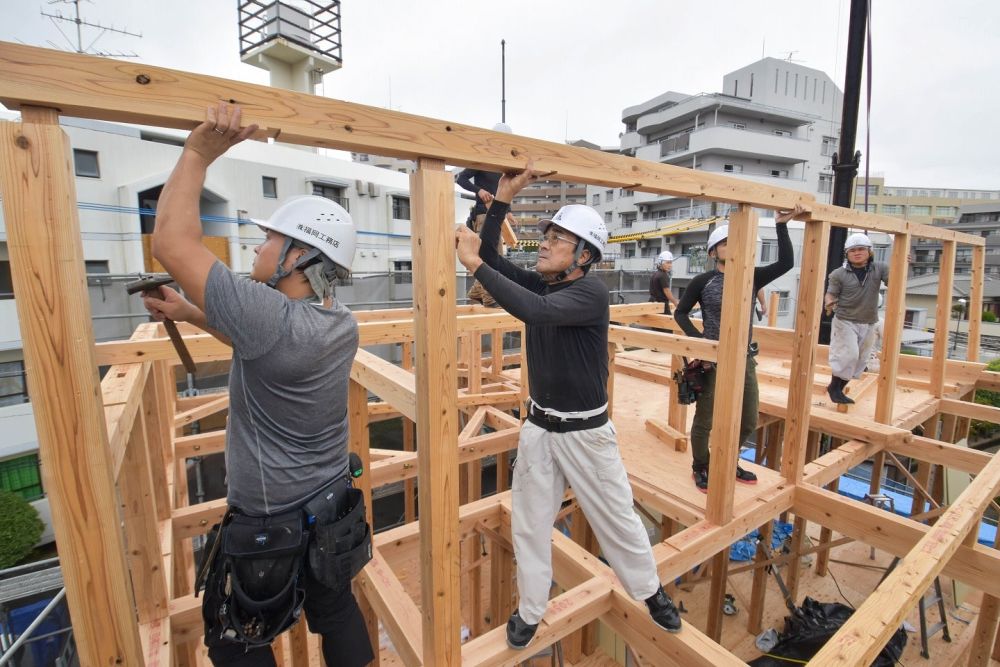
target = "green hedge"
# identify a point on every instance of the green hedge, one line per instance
(19, 529)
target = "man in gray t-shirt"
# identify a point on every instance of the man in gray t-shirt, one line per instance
(852, 293)
(293, 346)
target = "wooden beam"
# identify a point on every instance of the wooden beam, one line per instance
(724, 441)
(943, 453)
(218, 404)
(835, 463)
(693, 348)
(809, 310)
(387, 381)
(986, 413)
(399, 614)
(667, 434)
(46, 257)
(432, 194)
(864, 634)
(976, 566)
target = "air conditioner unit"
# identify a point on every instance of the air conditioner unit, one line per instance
(360, 186)
(372, 190)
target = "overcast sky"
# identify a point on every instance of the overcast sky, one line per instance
(573, 66)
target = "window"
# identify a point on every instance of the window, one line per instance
(95, 266)
(628, 250)
(784, 302)
(607, 217)
(269, 184)
(829, 146)
(628, 219)
(872, 190)
(85, 163)
(947, 211)
(881, 253)
(400, 208)
(6, 282)
(739, 126)
(918, 210)
(626, 193)
(768, 251)
(630, 126)
(783, 133)
(22, 476)
(13, 383)
(825, 183)
(402, 271)
(892, 209)
(331, 192)
(779, 173)
(595, 199)
(733, 168)
(609, 195)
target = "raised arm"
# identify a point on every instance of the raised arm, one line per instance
(177, 235)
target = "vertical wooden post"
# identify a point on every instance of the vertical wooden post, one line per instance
(583, 642)
(409, 488)
(139, 518)
(825, 536)
(357, 424)
(46, 256)
(942, 321)
(975, 316)
(758, 593)
(720, 572)
(432, 193)
(795, 564)
(729, 374)
(892, 329)
(809, 308)
(772, 309)
(496, 351)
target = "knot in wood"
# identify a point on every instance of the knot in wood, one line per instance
(22, 141)
(142, 79)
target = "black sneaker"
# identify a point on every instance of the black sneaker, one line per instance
(745, 476)
(519, 633)
(700, 476)
(663, 611)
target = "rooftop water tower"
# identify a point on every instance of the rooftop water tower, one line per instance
(297, 41)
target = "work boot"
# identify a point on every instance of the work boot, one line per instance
(663, 611)
(700, 476)
(519, 633)
(745, 476)
(836, 391)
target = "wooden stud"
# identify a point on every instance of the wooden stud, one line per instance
(892, 329)
(975, 313)
(46, 257)
(357, 421)
(730, 372)
(942, 318)
(772, 309)
(807, 320)
(758, 593)
(719, 567)
(432, 196)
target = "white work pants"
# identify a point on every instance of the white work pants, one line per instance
(851, 345)
(589, 462)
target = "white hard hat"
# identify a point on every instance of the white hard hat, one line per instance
(319, 223)
(584, 222)
(503, 127)
(717, 236)
(857, 241)
(665, 256)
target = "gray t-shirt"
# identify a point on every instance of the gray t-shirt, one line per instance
(287, 433)
(857, 300)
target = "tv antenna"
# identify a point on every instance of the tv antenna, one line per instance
(790, 59)
(77, 45)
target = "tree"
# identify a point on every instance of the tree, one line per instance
(981, 429)
(19, 530)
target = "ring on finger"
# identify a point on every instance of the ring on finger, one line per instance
(219, 131)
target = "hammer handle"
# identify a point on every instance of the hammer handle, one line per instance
(182, 351)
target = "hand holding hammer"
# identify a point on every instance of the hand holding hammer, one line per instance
(152, 285)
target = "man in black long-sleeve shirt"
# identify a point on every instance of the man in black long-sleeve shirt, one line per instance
(483, 184)
(568, 438)
(706, 289)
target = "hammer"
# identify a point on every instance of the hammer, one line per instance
(153, 284)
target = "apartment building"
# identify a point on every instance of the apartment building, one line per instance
(929, 206)
(977, 219)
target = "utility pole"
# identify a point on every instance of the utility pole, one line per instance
(77, 44)
(846, 160)
(503, 81)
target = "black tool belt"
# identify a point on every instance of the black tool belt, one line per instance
(342, 542)
(560, 425)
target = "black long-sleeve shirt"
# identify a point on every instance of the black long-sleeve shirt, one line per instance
(706, 289)
(566, 325)
(474, 180)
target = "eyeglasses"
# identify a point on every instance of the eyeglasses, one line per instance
(552, 237)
